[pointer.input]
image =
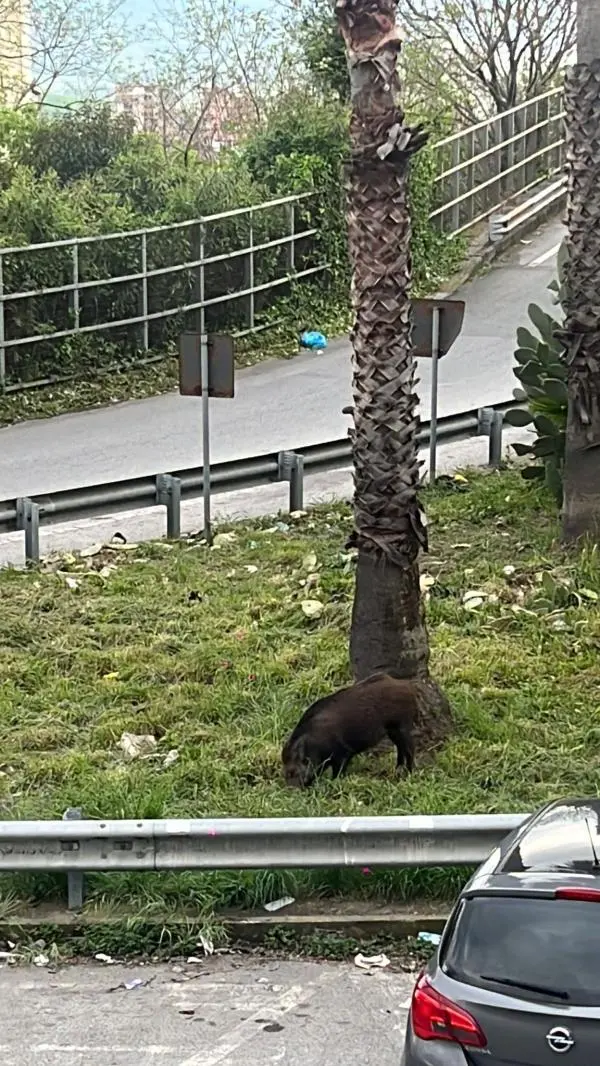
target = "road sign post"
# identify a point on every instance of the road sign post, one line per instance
(206, 369)
(436, 325)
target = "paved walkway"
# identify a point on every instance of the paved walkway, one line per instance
(234, 1013)
(278, 404)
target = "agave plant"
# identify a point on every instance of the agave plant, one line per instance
(541, 371)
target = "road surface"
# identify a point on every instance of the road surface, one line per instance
(279, 404)
(236, 1013)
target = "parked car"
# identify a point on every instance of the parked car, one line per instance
(515, 980)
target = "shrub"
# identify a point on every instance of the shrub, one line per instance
(541, 370)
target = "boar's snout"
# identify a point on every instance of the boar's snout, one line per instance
(298, 770)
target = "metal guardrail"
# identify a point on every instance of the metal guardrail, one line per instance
(478, 170)
(502, 226)
(27, 514)
(75, 846)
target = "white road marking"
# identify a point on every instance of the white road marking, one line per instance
(543, 258)
(244, 1032)
(85, 1049)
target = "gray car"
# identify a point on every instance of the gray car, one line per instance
(515, 980)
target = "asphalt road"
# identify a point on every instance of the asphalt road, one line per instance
(230, 1012)
(278, 404)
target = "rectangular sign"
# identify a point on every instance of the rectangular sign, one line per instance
(221, 371)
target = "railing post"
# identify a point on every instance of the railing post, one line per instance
(28, 519)
(472, 168)
(2, 334)
(506, 153)
(197, 241)
(249, 273)
(144, 267)
(490, 193)
(456, 185)
(75, 882)
(560, 151)
(168, 493)
(201, 316)
(75, 293)
(291, 253)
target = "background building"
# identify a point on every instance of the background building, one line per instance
(213, 122)
(15, 51)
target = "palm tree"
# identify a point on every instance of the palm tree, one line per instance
(581, 504)
(388, 630)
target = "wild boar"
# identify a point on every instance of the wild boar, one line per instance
(336, 728)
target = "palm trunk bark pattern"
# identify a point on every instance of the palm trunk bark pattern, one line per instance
(388, 630)
(581, 505)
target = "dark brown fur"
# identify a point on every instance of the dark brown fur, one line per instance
(335, 729)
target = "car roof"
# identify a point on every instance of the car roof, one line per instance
(560, 844)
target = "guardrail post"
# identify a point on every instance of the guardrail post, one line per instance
(291, 468)
(2, 348)
(491, 424)
(168, 493)
(75, 879)
(28, 519)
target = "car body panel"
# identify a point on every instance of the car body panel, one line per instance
(556, 847)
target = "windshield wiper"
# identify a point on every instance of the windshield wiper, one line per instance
(542, 989)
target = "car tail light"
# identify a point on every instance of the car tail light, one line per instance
(434, 1017)
(584, 895)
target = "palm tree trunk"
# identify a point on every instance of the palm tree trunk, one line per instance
(388, 630)
(581, 506)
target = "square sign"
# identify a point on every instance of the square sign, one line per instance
(220, 365)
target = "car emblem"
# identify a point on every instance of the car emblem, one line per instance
(560, 1040)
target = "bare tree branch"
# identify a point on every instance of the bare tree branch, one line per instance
(513, 48)
(77, 46)
(219, 65)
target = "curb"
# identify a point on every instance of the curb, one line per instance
(252, 928)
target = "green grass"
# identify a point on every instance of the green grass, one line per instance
(209, 650)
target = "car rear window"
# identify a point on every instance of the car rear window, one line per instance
(547, 942)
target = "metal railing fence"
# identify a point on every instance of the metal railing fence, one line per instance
(64, 291)
(502, 157)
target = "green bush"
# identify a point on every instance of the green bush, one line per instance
(77, 144)
(541, 371)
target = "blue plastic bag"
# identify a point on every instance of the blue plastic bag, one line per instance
(313, 340)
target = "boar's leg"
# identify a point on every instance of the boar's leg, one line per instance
(339, 765)
(405, 747)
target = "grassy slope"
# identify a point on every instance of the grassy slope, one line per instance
(223, 674)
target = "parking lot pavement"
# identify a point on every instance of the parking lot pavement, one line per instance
(226, 1010)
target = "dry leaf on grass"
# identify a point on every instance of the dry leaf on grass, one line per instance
(312, 608)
